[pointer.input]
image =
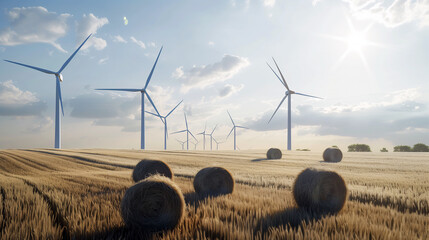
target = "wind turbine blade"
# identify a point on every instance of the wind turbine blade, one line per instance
(192, 135)
(174, 108)
(278, 108)
(214, 139)
(151, 102)
(213, 129)
(153, 68)
(230, 118)
(35, 68)
(230, 132)
(120, 89)
(71, 57)
(308, 95)
(186, 121)
(59, 94)
(178, 132)
(281, 75)
(277, 75)
(156, 115)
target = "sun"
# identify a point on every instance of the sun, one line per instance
(356, 41)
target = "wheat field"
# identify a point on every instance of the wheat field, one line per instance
(76, 194)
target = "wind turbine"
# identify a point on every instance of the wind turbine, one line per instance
(143, 92)
(164, 120)
(211, 137)
(288, 93)
(181, 143)
(217, 143)
(235, 131)
(187, 133)
(204, 136)
(58, 98)
(195, 144)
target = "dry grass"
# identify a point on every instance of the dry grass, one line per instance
(70, 194)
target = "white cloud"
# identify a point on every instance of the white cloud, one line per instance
(138, 42)
(211, 43)
(151, 44)
(229, 89)
(206, 75)
(15, 102)
(269, 3)
(34, 25)
(103, 60)
(178, 73)
(390, 13)
(87, 25)
(119, 39)
(10, 94)
(40, 124)
(315, 2)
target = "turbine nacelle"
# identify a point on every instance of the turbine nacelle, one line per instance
(60, 76)
(289, 92)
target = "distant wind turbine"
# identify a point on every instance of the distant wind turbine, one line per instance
(211, 137)
(58, 98)
(164, 120)
(182, 143)
(204, 136)
(288, 93)
(195, 144)
(187, 133)
(217, 143)
(235, 131)
(143, 92)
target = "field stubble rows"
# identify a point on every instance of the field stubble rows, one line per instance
(48, 193)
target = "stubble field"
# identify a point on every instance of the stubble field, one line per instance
(76, 194)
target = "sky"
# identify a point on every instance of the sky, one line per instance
(367, 59)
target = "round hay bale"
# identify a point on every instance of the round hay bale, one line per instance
(320, 191)
(332, 154)
(153, 204)
(147, 167)
(274, 153)
(213, 181)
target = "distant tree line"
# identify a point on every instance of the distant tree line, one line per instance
(419, 147)
(359, 148)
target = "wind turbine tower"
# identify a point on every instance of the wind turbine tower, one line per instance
(182, 143)
(164, 120)
(211, 137)
(288, 93)
(234, 128)
(58, 98)
(143, 92)
(187, 133)
(204, 136)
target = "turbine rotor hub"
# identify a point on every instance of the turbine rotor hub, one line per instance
(60, 77)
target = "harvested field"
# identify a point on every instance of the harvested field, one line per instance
(76, 194)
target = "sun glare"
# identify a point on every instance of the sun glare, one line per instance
(356, 41)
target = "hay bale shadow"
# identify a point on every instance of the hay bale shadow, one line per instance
(292, 218)
(194, 199)
(260, 159)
